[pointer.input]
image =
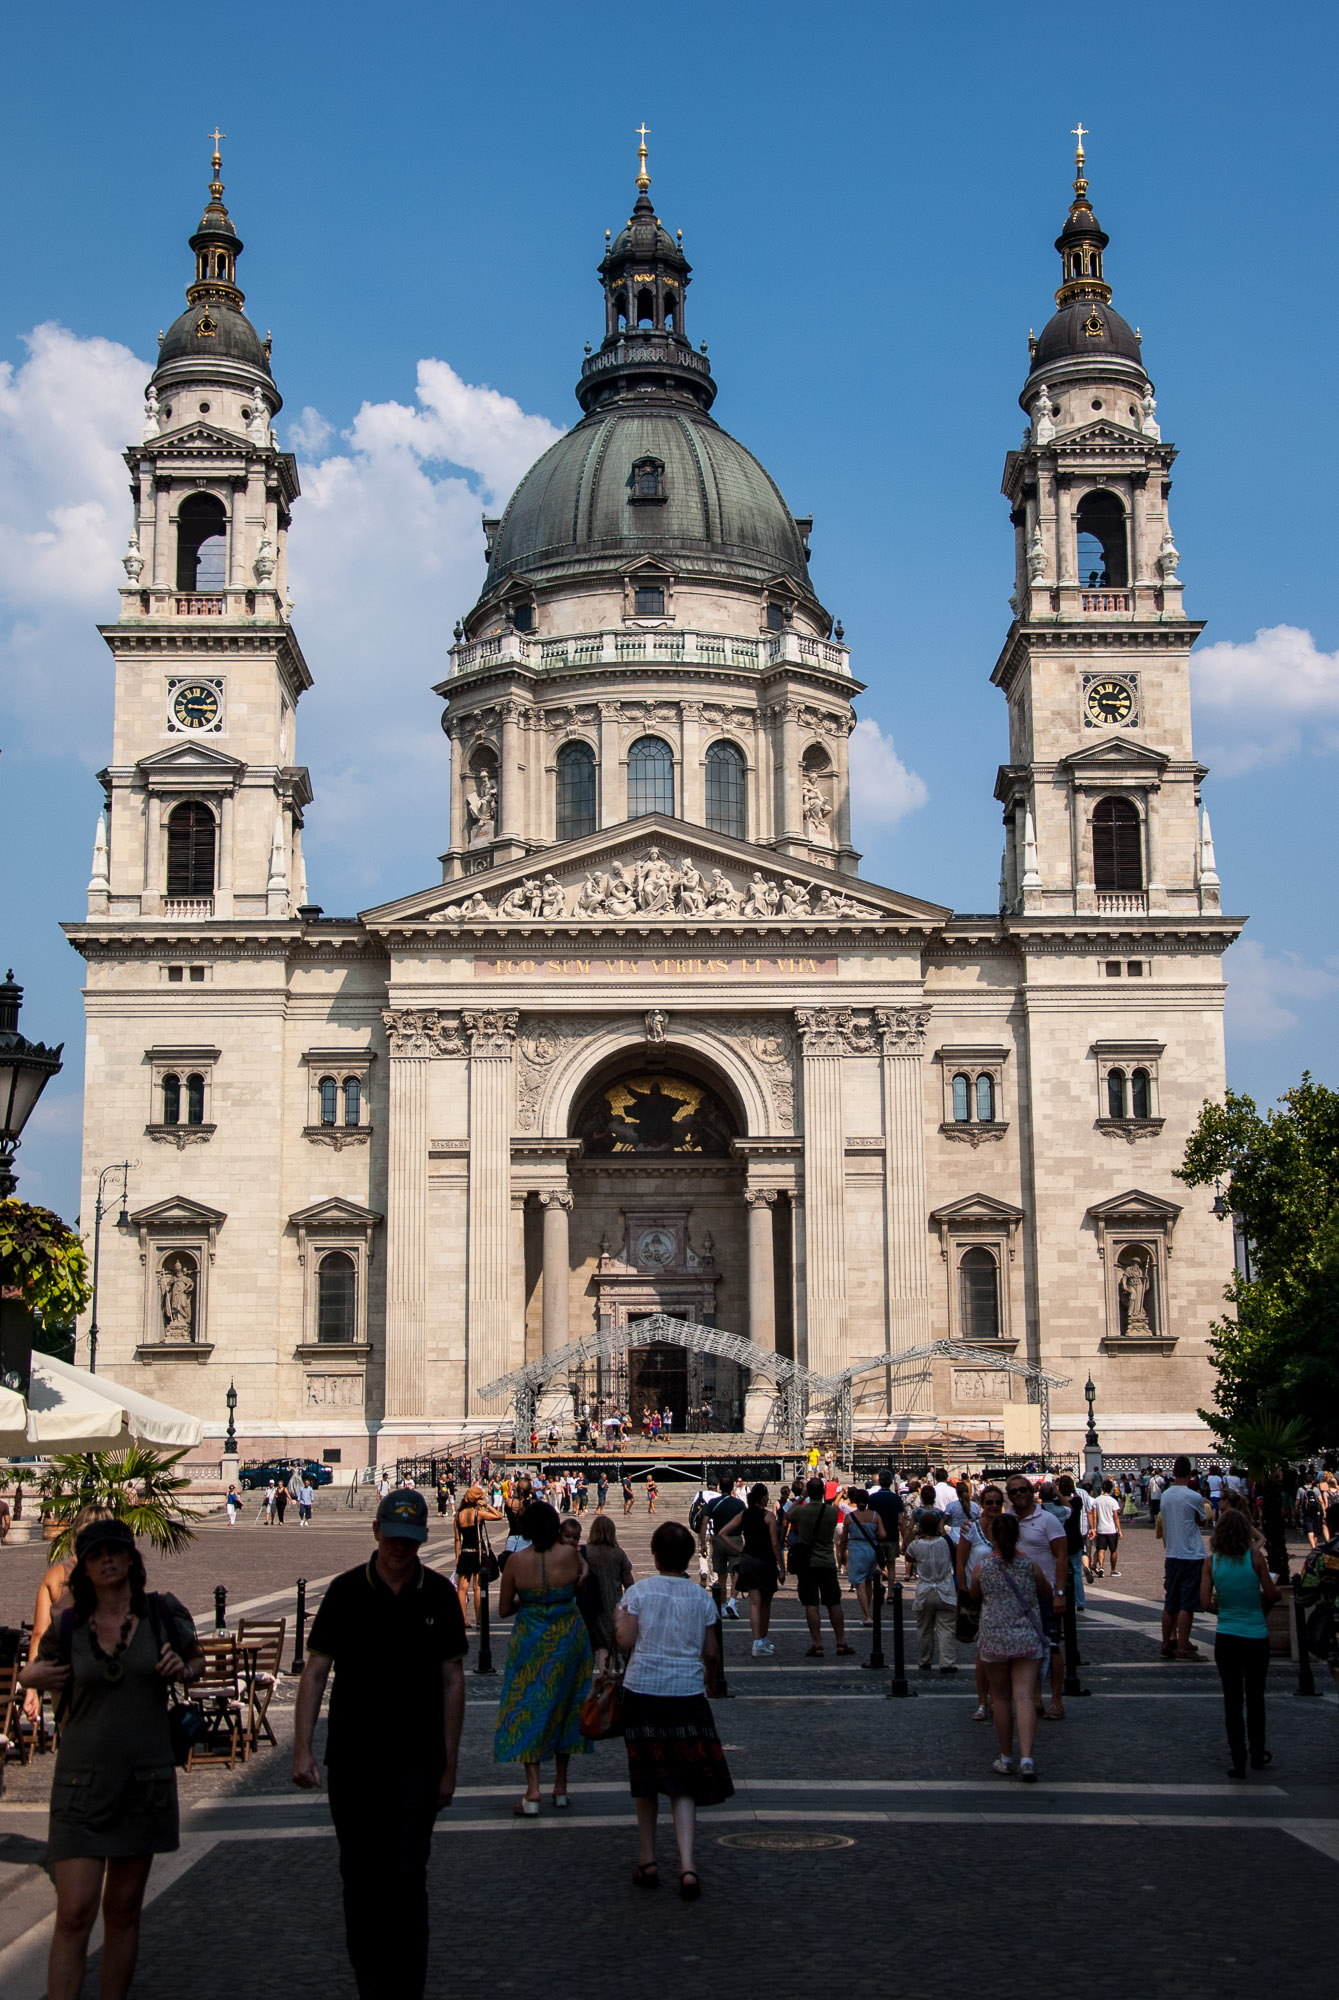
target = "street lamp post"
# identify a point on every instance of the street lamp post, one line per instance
(1092, 1448)
(25, 1070)
(230, 1442)
(100, 1208)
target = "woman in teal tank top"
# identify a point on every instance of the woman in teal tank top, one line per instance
(1235, 1568)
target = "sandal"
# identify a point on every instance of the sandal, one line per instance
(846, 1649)
(646, 1875)
(560, 1801)
(814, 1653)
(526, 1809)
(689, 1886)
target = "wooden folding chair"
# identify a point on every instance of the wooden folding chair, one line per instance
(216, 1692)
(260, 1643)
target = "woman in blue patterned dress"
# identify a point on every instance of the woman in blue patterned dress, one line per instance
(548, 1670)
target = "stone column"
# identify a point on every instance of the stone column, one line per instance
(457, 834)
(612, 805)
(824, 1039)
(1065, 547)
(693, 793)
(762, 1272)
(902, 1040)
(223, 894)
(792, 820)
(509, 806)
(411, 1051)
(155, 867)
(492, 1037)
(557, 1206)
(1157, 888)
(237, 577)
(164, 554)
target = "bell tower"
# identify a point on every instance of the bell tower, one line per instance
(1101, 791)
(204, 796)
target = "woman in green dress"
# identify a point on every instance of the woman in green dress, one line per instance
(109, 1662)
(548, 1670)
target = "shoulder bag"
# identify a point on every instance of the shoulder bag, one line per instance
(489, 1567)
(602, 1711)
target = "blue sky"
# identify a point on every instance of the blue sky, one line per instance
(869, 196)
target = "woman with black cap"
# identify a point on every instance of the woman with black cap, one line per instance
(108, 1662)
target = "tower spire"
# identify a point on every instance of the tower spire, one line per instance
(643, 177)
(216, 243)
(1081, 241)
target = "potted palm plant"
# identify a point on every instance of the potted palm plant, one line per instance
(137, 1485)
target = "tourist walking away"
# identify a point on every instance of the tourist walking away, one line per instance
(814, 1564)
(521, 1497)
(753, 1545)
(1106, 1541)
(669, 1627)
(936, 1593)
(863, 1543)
(1236, 1569)
(626, 1483)
(471, 1516)
(108, 1659)
(1045, 1542)
(1071, 1497)
(1012, 1642)
(394, 1633)
(1182, 1520)
(974, 1544)
(609, 1574)
(548, 1670)
(715, 1516)
(888, 1505)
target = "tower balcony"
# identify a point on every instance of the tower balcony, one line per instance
(139, 603)
(664, 646)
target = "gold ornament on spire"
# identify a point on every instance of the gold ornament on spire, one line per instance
(216, 163)
(1081, 133)
(643, 178)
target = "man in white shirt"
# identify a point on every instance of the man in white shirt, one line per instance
(1181, 1512)
(1106, 1517)
(945, 1495)
(1042, 1538)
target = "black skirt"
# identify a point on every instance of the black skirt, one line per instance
(673, 1748)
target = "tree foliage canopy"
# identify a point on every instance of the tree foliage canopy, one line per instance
(1279, 1172)
(44, 1261)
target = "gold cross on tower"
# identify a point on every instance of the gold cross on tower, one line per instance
(1080, 132)
(643, 178)
(216, 135)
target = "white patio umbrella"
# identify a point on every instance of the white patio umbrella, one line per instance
(71, 1410)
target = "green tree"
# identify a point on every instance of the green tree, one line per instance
(1278, 1357)
(43, 1261)
(137, 1485)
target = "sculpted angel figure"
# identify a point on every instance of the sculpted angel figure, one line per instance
(592, 895)
(692, 890)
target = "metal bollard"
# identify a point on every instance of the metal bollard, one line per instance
(220, 1607)
(484, 1664)
(1306, 1680)
(1073, 1685)
(899, 1685)
(300, 1624)
(876, 1662)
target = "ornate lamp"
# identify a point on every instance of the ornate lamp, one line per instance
(1090, 1392)
(25, 1069)
(230, 1442)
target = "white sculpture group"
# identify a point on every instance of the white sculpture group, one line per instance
(656, 886)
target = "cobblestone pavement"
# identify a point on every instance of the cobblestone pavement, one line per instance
(1117, 1887)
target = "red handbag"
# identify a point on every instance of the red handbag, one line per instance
(602, 1710)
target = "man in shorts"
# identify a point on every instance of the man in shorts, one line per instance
(720, 1513)
(814, 1522)
(1106, 1542)
(1181, 1512)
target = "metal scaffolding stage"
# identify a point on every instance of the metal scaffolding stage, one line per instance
(839, 1401)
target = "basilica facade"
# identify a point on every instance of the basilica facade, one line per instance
(650, 1044)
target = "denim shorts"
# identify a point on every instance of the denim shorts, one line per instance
(1181, 1583)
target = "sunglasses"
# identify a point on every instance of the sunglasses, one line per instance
(993, 1501)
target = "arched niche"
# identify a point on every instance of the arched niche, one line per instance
(703, 1054)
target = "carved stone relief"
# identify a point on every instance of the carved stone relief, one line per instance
(423, 1031)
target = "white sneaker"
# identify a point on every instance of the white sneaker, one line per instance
(1027, 1771)
(762, 1648)
(730, 1611)
(1004, 1765)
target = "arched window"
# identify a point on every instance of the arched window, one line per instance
(985, 1099)
(195, 1099)
(979, 1295)
(190, 850)
(1139, 1094)
(1100, 526)
(353, 1100)
(1118, 858)
(646, 309)
(726, 791)
(1115, 1093)
(962, 1099)
(329, 1100)
(171, 1100)
(650, 777)
(202, 543)
(575, 814)
(337, 1297)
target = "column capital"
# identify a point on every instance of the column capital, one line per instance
(902, 1030)
(556, 1198)
(492, 1032)
(422, 1031)
(834, 1031)
(760, 1197)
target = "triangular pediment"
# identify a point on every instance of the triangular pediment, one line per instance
(334, 1211)
(191, 762)
(1114, 754)
(1134, 1206)
(977, 1208)
(1103, 432)
(657, 871)
(198, 436)
(178, 1212)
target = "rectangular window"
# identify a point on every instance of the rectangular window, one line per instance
(1113, 968)
(197, 975)
(1135, 969)
(649, 601)
(176, 974)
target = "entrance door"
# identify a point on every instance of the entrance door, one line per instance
(657, 1379)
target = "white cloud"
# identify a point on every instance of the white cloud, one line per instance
(1263, 698)
(309, 433)
(883, 790)
(1258, 986)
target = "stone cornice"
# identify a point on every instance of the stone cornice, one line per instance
(1090, 636)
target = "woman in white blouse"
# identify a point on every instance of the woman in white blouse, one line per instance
(666, 1622)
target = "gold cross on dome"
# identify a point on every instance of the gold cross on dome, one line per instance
(216, 135)
(1081, 132)
(643, 178)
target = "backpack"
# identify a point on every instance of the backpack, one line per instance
(697, 1513)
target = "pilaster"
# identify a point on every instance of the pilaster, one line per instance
(492, 1037)
(902, 1033)
(824, 1039)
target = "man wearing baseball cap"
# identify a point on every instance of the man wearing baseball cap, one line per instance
(394, 1633)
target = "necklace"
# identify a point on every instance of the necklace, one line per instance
(112, 1669)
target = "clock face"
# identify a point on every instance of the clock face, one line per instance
(1110, 701)
(195, 705)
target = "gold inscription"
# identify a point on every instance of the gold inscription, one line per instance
(655, 968)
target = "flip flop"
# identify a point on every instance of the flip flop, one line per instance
(689, 1886)
(646, 1875)
(560, 1801)
(526, 1809)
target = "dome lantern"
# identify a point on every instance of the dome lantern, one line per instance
(214, 337)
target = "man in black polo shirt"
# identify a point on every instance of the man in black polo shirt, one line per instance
(887, 1504)
(395, 1635)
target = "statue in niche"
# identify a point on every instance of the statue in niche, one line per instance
(657, 1025)
(817, 812)
(1133, 1286)
(176, 1294)
(481, 808)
